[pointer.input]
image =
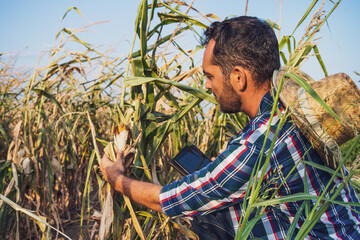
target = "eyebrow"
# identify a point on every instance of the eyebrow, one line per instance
(206, 73)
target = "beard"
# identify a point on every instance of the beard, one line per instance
(229, 101)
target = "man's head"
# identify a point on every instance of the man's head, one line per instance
(239, 61)
(247, 42)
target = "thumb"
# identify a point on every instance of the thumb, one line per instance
(119, 155)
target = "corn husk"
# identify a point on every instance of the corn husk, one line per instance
(56, 167)
(119, 144)
(26, 165)
(110, 151)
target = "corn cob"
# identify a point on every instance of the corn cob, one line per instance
(120, 138)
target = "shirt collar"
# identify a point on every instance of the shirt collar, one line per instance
(266, 104)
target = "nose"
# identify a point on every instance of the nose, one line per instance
(208, 84)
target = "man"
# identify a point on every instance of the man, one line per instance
(239, 60)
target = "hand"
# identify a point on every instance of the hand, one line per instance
(112, 170)
(144, 193)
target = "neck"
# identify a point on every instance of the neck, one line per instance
(251, 102)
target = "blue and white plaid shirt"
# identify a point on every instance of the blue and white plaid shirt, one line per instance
(223, 183)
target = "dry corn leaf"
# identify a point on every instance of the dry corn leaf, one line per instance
(107, 216)
(186, 231)
(9, 153)
(15, 177)
(8, 189)
(96, 216)
(134, 218)
(39, 220)
(154, 176)
(16, 133)
(21, 153)
(126, 235)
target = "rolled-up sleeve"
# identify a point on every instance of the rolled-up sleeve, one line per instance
(220, 184)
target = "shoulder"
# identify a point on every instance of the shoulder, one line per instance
(255, 130)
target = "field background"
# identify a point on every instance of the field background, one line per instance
(59, 114)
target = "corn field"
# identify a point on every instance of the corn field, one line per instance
(57, 120)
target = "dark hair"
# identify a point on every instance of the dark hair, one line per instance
(244, 41)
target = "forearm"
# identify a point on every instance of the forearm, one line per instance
(144, 193)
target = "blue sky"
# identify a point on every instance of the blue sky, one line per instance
(28, 27)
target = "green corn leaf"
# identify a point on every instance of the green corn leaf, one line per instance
(159, 42)
(136, 81)
(288, 44)
(117, 209)
(138, 18)
(345, 204)
(143, 37)
(86, 187)
(322, 167)
(248, 227)
(300, 197)
(159, 140)
(161, 25)
(318, 57)
(76, 39)
(181, 18)
(260, 162)
(282, 55)
(165, 128)
(310, 222)
(102, 142)
(306, 14)
(49, 96)
(292, 227)
(5, 165)
(4, 134)
(134, 218)
(290, 198)
(121, 116)
(306, 190)
(214, 16)
(284, 40)
(72, 8)
(153, 7)
(273, 24)
(175, 135)
(169, 96)
(300, 55)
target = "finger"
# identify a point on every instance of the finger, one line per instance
(119, 155)
(105, 158)
(105, 162)
(105, 165)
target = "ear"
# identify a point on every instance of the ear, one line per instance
(238, 79)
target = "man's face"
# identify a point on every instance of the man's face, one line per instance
(229, 101)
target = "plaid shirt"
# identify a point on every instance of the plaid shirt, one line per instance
(223, 183)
